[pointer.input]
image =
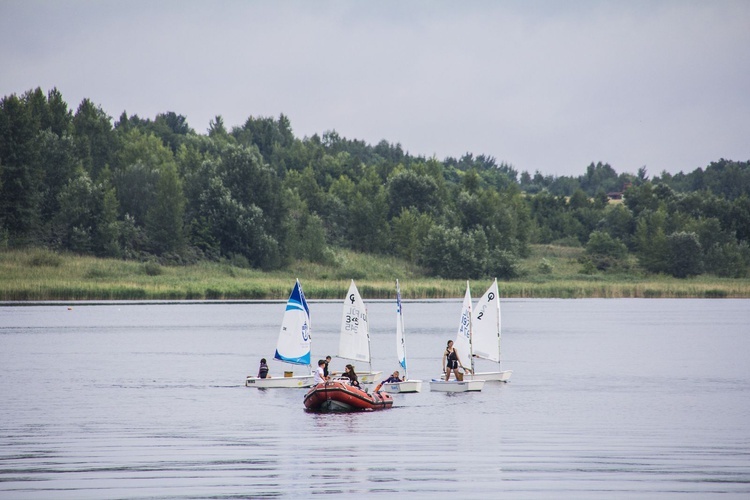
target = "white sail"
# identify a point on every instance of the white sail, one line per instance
(463, 340)
(485, 340)
(354, 341)
(294, 338)
(486, 334)
(463, 346)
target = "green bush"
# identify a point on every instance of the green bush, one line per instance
(152, 268)
(545, 267)
(685, 254)
(44, 258)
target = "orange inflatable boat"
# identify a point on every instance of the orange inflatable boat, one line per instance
(340, 396)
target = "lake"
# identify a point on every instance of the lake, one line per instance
(610, 398)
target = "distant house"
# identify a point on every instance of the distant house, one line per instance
(615, 195)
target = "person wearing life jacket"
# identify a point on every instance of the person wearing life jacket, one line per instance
(390, 380)
(263, 370)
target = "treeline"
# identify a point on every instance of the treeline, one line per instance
(260, 197)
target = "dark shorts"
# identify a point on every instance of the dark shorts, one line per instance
(452, 365)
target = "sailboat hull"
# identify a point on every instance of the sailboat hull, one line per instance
(342, 397)
(280, 382)
(449, 386)
(369, 377)
(406, 386)
(466, 385)
(475, 385)
(502, 376)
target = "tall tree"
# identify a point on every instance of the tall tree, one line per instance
(164, 219)
(95, 137)
(19, 182)
(685, 255)
(136, 173)
(651, 241)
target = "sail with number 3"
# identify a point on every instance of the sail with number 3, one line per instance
(354, 339)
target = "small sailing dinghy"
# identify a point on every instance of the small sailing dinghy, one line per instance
(354, 340)
(340, 396)
(486, 334)
(406, 385)
(293, 345)
(462, 345)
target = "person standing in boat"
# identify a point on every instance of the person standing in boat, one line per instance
(319, 376)
(349, 373)
(263, 370)
(325, 368)
(451, 362)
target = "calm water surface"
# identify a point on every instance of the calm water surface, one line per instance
(609, 399)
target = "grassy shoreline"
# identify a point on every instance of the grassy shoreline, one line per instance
(40, 275)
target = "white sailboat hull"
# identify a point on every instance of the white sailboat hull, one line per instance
(449, 386)
(502, 376)
(402, 387)
(280, 382)
(475, 385)
(370, 377)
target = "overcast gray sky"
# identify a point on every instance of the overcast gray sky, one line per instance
(543, 85)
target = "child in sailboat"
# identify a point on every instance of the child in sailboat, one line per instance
(390, 380)
(263, 369)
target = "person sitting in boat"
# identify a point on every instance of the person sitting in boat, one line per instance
(390, 380)
(319, 376)
(451, 362)
(349, 373)
(263, 370)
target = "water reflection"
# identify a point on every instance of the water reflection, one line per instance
(600, 405)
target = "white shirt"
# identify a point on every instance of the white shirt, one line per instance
(319, 376)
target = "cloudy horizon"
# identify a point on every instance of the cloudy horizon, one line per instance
(544, 86)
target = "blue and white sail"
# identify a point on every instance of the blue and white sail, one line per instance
(400, 346)
(295, 336)
(406, 385)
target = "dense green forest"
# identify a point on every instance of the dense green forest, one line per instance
(259, 197)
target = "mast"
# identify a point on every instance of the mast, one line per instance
(471, 331)
(309, 320)
(400, 328)
(369, 349)
(497, 300)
